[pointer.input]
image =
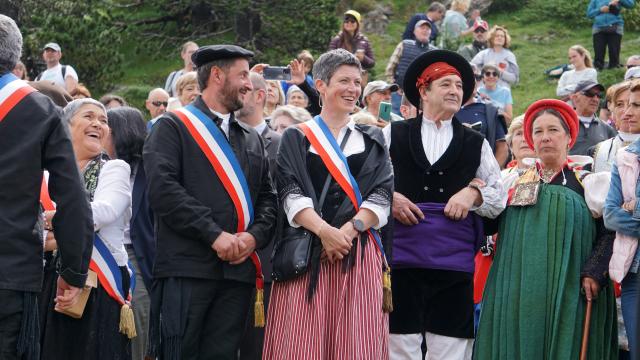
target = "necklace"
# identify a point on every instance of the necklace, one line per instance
(547, 175)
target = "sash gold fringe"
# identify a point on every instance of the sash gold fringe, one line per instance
(127, 323)
(387, 300)
(259, 309)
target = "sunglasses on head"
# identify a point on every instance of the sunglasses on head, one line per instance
(591, 94)
(160, 103)
(491, 73)
(349, 20)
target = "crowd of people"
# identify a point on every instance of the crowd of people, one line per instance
(328, 215)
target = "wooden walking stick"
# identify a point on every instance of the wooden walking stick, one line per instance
(585, 331)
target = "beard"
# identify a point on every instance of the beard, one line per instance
(231, 97)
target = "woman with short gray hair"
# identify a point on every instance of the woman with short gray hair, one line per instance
(288, 115)
(333, 307)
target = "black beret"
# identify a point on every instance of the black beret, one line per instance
(207, 54)
(423, 61)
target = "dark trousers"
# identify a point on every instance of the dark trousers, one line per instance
(600, 43)
(11, 309)
(211, 315)
(253, 338)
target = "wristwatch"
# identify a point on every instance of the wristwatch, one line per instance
(358, 225)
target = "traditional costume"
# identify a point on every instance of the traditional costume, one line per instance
(33, 138)
(533, 306)
(433, 261)
(333, 311)
(207, 174)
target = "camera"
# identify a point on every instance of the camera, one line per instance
(614, 9)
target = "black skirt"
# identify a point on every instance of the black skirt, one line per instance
(95, 336)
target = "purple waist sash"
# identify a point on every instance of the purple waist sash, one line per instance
(437, 242)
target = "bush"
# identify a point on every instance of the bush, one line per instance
(572, 12)
(632, 18)
(506, 5)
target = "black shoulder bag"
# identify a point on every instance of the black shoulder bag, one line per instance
(291, 255)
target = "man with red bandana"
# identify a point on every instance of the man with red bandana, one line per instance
(446, 181)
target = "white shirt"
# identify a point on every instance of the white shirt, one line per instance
(260, 128)
(225, 121)
(55, 74)
(111, 207)
(435, 142)
(293, 204)
(586, 121)
(569, 80)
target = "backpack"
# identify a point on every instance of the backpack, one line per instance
(64, 72)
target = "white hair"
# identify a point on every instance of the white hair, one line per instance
(72, 108)
(10, 44)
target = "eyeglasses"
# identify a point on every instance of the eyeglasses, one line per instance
(491, 73)
(350, 20)
(591, 94)
(631, 66)
(160, 103)
(479, 30)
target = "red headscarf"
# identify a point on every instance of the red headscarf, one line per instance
(569, 116)
(434, 72)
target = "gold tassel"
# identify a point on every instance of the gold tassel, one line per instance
(259, 309)
(127, 323)
(387, 300)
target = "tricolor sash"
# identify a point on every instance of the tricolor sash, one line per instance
(217, 149)
(327, 147)
(12, 90)
(45, 198)
(105, 266)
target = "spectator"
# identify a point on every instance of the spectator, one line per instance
(607, 30)
(63, 75)
(620, 215)
(112, 101)
(297, 97)
(351, 39)
(583, 70)
(633, 61)
(586, 100)
(407, 109)
(187, 90)
(480, 28)
(20, 71)
(156, 103)
(128, 132)
(287, 115)
(275, 97)
(497, 95)
(306, 60)
(454, 25)
(80, 92)
(498, 53)
(434, 14)
(633, 67)
(376, 92)
(405, 52)
(187, 50)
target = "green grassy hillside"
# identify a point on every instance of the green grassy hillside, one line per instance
(537, 46)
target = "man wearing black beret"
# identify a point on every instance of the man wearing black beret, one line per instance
(210, 190)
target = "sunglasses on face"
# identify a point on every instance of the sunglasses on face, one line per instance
(160, 103)
(591, 94)
(491, 74)
(479, 31)
(350, 20)
(631, 66)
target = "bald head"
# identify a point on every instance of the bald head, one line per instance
(251, 111)
(157, 102)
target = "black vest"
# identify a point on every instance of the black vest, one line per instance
(411, 49)
(421, 181)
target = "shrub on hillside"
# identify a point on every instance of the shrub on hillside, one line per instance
(632, 18)
(572, 12)
(506, 5)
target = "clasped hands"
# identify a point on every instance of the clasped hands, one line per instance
(234, 248)
(336, 243)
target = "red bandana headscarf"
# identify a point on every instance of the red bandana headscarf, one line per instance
(434, 72)
(569, 116)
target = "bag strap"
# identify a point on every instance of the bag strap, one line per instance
(325, 189)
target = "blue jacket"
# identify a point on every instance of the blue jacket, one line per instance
(616, 218)
(605, 19)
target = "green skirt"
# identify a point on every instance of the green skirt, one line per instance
(532, 305)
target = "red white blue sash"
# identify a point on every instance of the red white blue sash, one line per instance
(217, 149)
(45, 198)
(105, 266)
(12, 90)
(327, 147)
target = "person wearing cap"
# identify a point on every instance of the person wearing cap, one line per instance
(632, 61)
(435, 12)
(156, 103)
(480, 28)
(498, 53)
(582, 70)
(376, 92)
(586, 100)
(64, 76)
(454, 25)
(186, 51)
(536, 294)
(446, 178)
(632, 73)
(604, 153)
(351, 39)
(403, 55)
(620, 215)
(34, 138)
(205, 268)
(495, 94)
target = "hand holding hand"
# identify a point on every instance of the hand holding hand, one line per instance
(405, 211)
(66, 295)
(247, 245)
(226, 246)
(336, 243)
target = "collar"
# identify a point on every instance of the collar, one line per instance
(260, 127)
(587, 120)
(429, 122)
(628, 137)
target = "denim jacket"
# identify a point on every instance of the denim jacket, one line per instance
(616, 218)
(601, 19)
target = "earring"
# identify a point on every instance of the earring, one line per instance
(320, 101)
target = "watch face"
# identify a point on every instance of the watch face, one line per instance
(358, 225)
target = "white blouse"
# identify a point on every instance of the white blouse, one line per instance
(111, 207)
(355, 145)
